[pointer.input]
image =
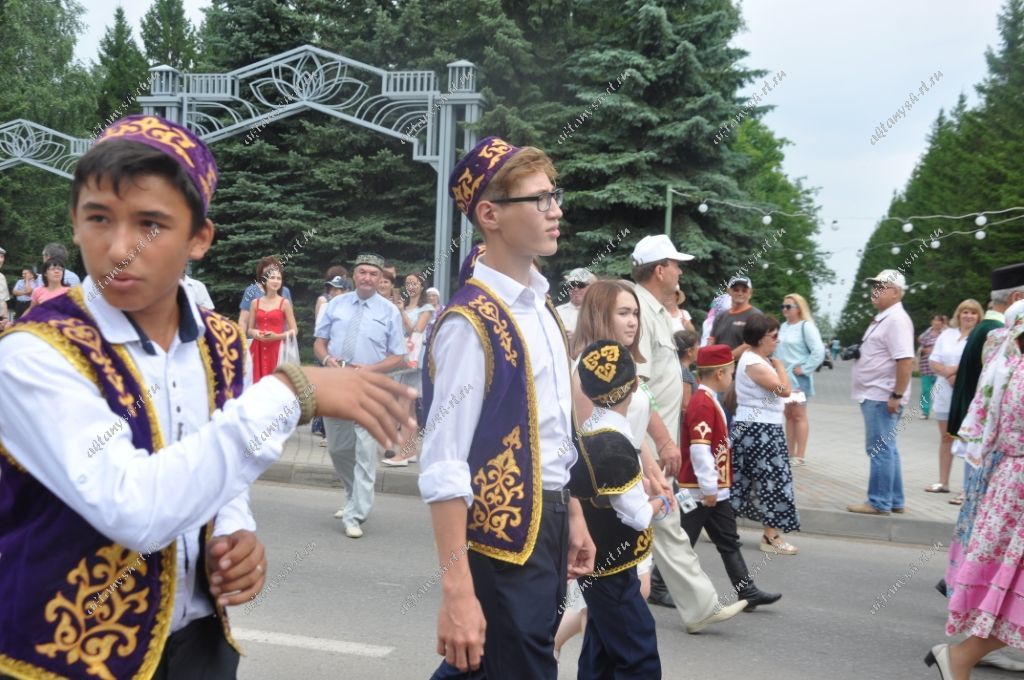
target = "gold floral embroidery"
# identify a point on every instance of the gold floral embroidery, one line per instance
(226, 334)
(500, 483)
(90, 638)
(489, 311)
(465, 189)
(88, 338)
(643, 542)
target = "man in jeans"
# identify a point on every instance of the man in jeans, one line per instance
(881, 384)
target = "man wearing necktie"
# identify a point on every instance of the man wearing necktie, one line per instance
(364, 332)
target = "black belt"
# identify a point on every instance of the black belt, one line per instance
(556, 496)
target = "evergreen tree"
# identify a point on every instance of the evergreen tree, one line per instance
(42, 83)
(122, 73)
(168, 35)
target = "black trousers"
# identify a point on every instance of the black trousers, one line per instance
(522, 606)
(720, 521)
(620, 642)
(198, 652)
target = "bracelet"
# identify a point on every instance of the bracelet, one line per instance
(303, 390)
(665, 505)
(667, 442)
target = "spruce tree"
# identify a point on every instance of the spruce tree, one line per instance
(168, 35)
(122, 73)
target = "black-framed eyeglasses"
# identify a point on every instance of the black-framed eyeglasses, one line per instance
(788, 306)
(543, 200)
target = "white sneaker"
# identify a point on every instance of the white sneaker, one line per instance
(354, 531)
(339, 514)
(723, 614)
(395, 462)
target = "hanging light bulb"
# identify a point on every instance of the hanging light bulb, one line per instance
(764, 265)
(864, 295)
(799, 256)
(835, 225)
(789, 272)
(702, 208)
(924, 286)
(935, 244)
(863, 284)
(980, 234)
(766, 220)
(895, 250)
(908, 227)
(981, 220)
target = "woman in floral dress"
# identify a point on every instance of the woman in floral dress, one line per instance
(987, 600)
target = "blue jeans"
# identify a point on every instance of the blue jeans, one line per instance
(885, 483)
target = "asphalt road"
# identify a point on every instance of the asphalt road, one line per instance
(336, 607)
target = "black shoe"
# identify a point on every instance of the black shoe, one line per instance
(755, 598)
(659, 591)
(942, 588)
(662, 599)
(743, 582)
(389, 454)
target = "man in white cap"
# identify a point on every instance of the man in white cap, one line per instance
(728, 326)
(576, 281)
(677, 580)
(881, 384)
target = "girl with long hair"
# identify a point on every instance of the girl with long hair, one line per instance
(269, 316)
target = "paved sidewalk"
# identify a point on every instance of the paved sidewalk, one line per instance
(835, 476)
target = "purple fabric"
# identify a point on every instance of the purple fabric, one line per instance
(55, 560)
(475, 171)
(502, 513)
(176, 141)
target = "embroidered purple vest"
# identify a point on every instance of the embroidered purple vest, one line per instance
(75, 603)
(504, 458)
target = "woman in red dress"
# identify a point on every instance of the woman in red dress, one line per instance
(268, 318)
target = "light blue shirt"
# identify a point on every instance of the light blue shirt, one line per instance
(800, 344)
(380, 335)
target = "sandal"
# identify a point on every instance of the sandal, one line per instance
(937, 488)
(777, 546)
(959, 500)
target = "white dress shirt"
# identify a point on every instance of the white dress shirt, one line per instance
(143, 501)
(459, 362)
(632, 507)
(703, 460)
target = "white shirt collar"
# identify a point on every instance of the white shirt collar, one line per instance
(609, 418)
(507, 288)
(116, 328)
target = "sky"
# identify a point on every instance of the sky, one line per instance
(848, 66)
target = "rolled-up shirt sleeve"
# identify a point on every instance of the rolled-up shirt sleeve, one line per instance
(454, 412)
(633, 508)
(128, 495)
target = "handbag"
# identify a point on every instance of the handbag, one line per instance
(289, 352)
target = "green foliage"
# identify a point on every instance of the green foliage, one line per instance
(41, 83)
(122, 74)
(974, 162)
(169, 36)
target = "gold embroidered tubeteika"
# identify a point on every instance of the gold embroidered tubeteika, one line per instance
(92, 638)
(489, 311)
(500, 483)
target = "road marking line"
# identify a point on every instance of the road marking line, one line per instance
(316, 644)
(392, 585)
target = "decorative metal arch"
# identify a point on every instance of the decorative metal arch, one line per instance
(406, 105)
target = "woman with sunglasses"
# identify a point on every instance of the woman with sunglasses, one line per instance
(801, 351)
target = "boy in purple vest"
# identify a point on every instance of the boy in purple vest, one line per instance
(495, 466)
(125, 526)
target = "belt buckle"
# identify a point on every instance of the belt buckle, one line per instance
(565, 496)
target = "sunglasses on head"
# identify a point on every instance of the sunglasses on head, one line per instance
(576, 285)
(788, 306)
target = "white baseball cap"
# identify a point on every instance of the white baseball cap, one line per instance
(656, 248)
(888, 277)
(581, 275)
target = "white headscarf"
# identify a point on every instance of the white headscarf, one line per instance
(980, 428)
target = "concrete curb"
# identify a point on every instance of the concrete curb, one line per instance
(825, 521)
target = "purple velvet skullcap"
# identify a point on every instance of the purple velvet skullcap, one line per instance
(475, 171)
(176, 141)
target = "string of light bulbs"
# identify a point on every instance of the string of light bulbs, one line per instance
(981, 220)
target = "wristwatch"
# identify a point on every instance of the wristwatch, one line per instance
(893, 395)
(341, 362)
